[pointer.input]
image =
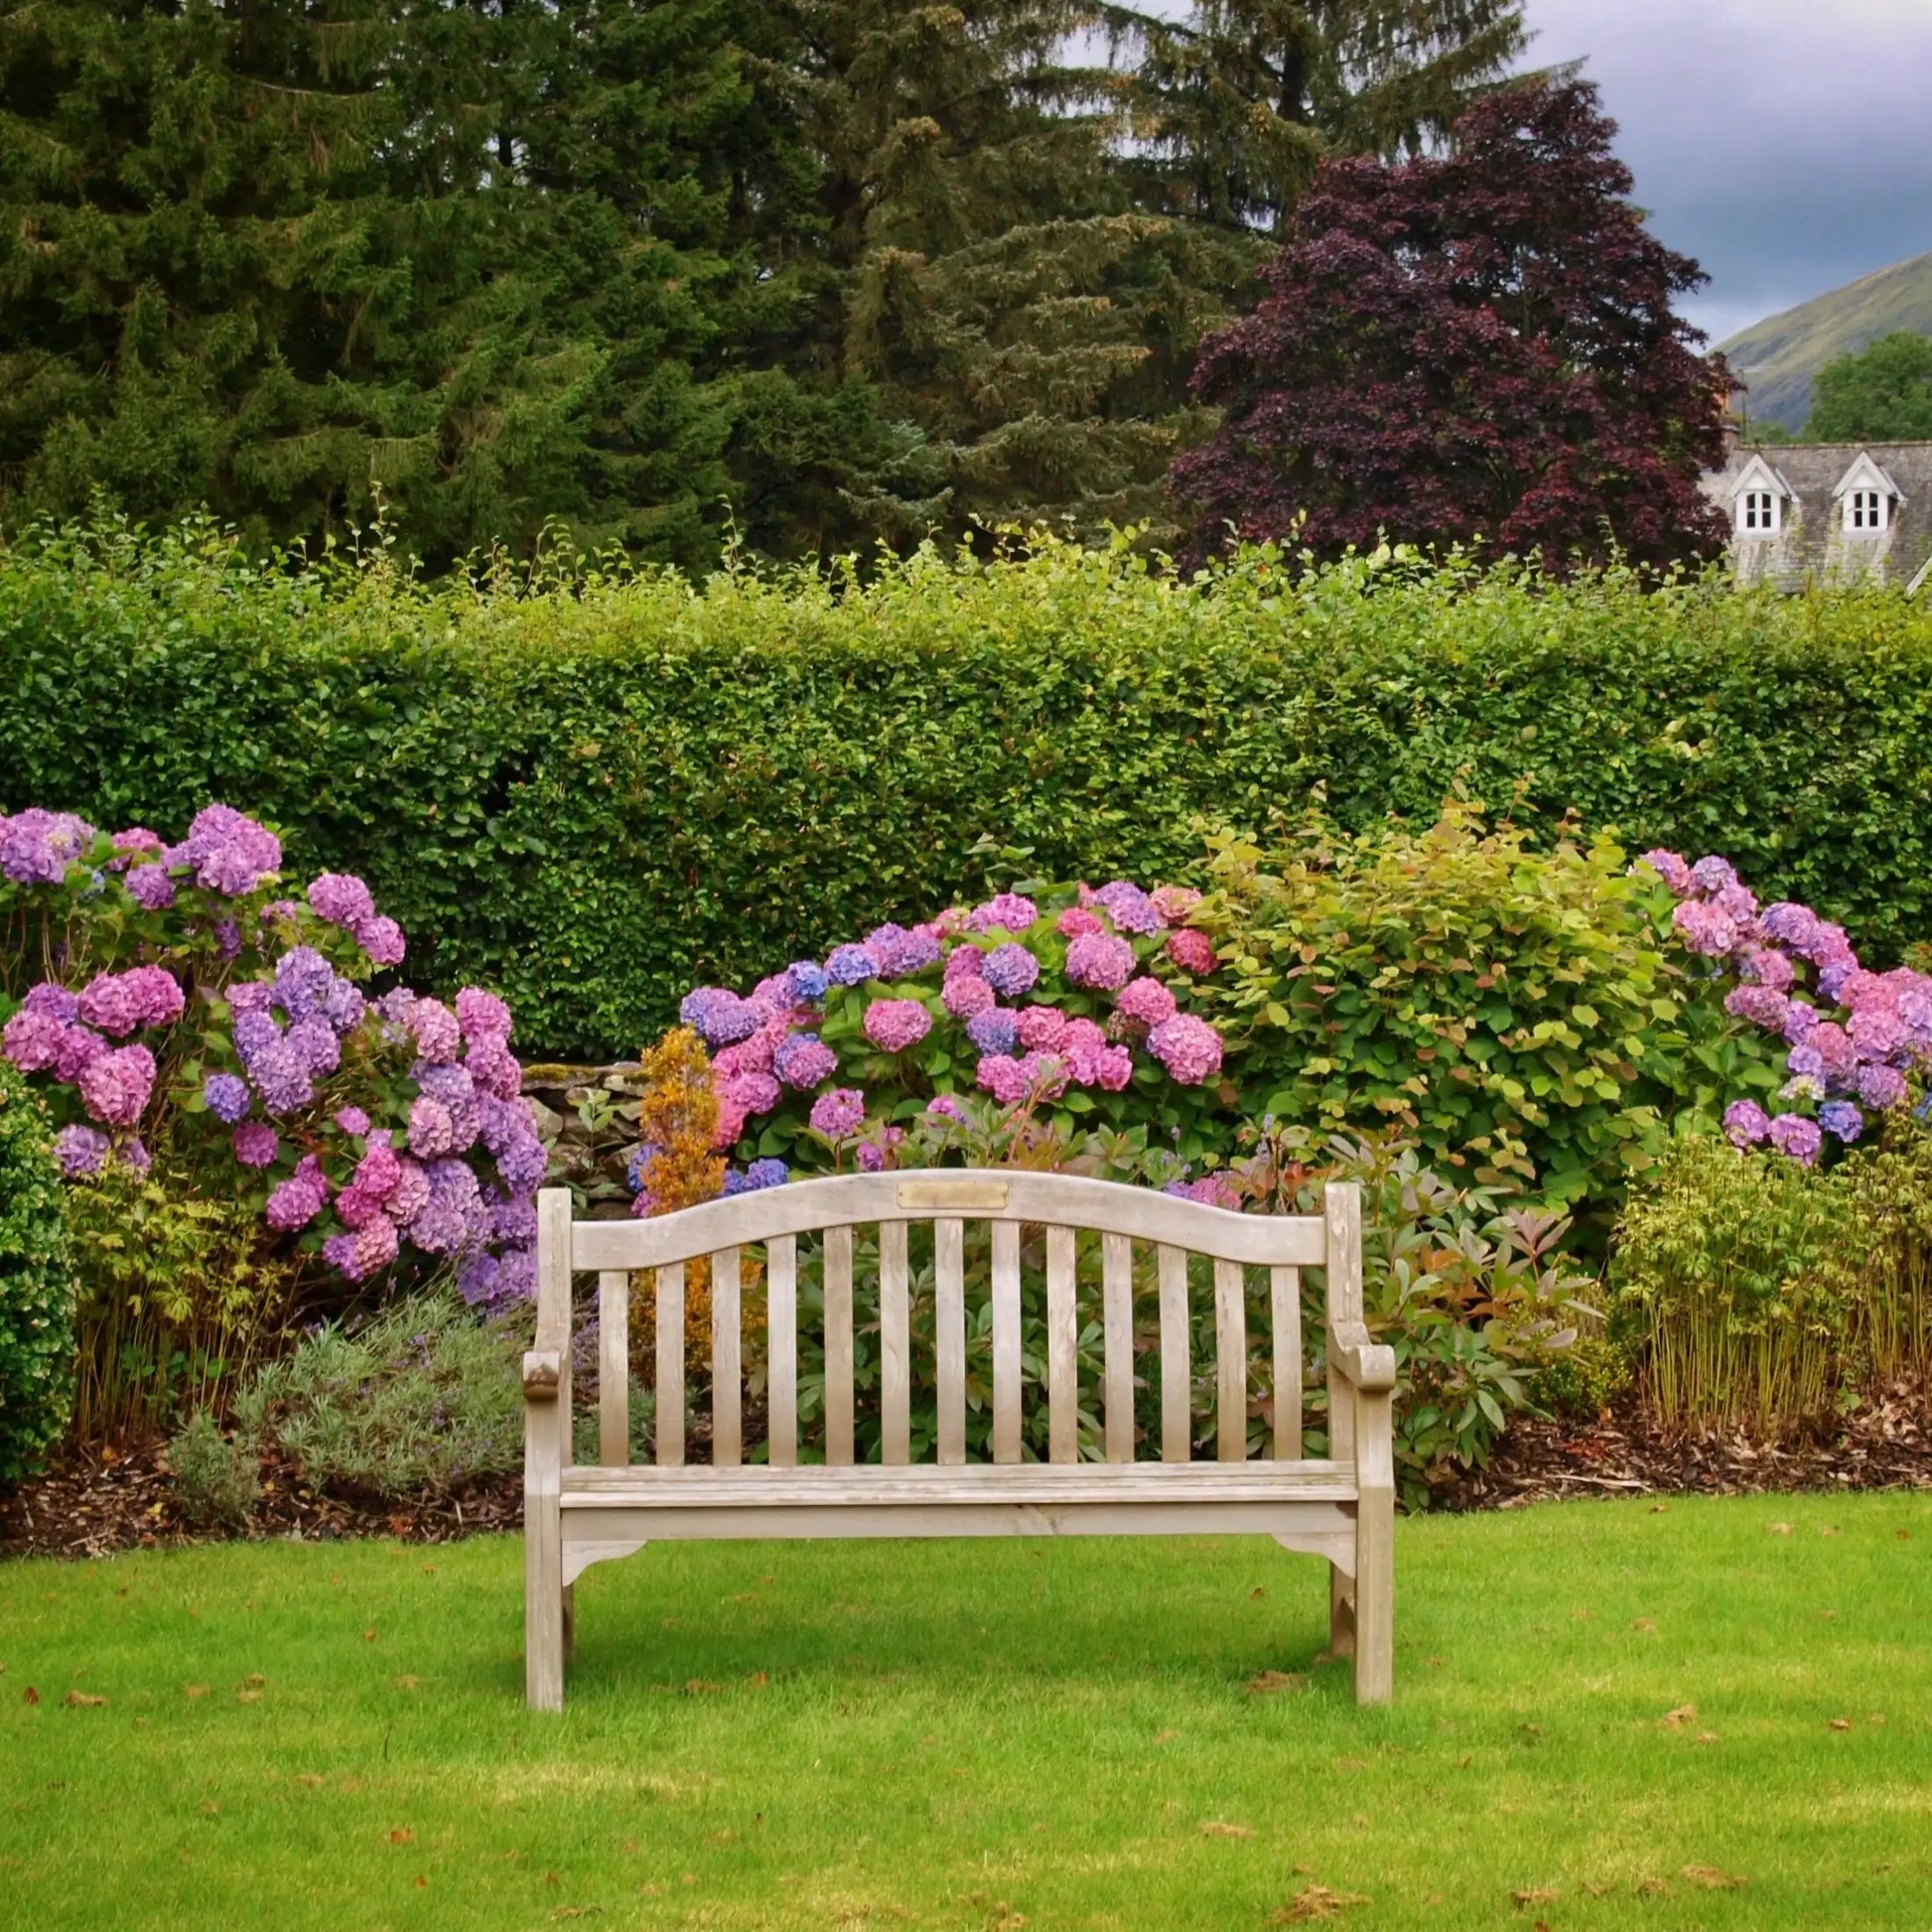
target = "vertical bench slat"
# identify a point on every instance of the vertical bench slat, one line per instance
(1344, 1273)
(894, 1346)
(838, 1346)
(613, 1370)
(1063, 1348)
(949, 1325)
(781, 1350)
(1230, 1362)
(1116, 1317)
(670, 1365)
(727, 1364)
(1006, 1341)
(1174, 1425)
(1285, 1291)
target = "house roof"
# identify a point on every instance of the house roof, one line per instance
(1812, 541)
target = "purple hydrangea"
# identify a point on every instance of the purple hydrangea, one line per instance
(352, 1119)
(1671, 867)
(299, 1198)
(901, 952)
(365, 1252)
(381, 939)
(803, 1060)
(344, 1005)
(75, 1052)
(483, 1015)
(1012, 970)
(280, 1075)
(313, 1041)
(1189, 1049)
(495, 1069)
(33, 1040)
(720, 1016)
(228, 1097)
(433, 1027)
(151, 886)
(1797, 1137)
(523, 1163)
(1882, 1086)
(37, 847)
(303, 979)
(1745, 1123)
(966, 993)
(1713, 875)
(996, 1031)
(55, 1001)
(81, 1151)
(839, 1113)
(946, 1107)
(230, 851)
(1130, 909)
(1790, 926)
(850, 966)
(255, 1144)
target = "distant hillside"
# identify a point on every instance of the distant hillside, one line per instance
(1778, 358)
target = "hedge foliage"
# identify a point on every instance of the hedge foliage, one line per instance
(591, 791)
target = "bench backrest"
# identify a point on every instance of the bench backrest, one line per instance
(1064, 1206)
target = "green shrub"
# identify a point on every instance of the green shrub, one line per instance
(593, 793)
(1522, 1014)
(215, 1481)
(182, 1294)
(35, 1284)
(1758, 1291)
(420, 1401)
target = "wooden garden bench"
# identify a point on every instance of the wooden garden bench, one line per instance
(1341, 1507)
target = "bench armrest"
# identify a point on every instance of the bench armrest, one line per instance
(543, 1374)
(1369, 1365)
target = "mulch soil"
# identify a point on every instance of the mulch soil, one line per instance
(96, 1503)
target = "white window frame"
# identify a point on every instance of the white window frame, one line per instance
(1867, 511)
(1760, 513)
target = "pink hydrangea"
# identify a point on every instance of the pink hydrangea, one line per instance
(1005, 911)
(1876, 1033)
(495, 1069)
(1145, 1001)
(1189, 1049)
(1794, 1135)
(966, 993)
(1040, 1028)
(965, 962)
(410, 1195)
(731, 1122)
(255, 1144)
(481, 1016)
(381, 939)
(434, 1028)
(750, 1093)
(1077, 921)
(432, 1129)
(752, 1055)
(1704, 928)
(1833, 1046)
(1671, 867)
(118, 1002)
(31, 1040)
(1192, 951)
(895, 1024)
(1766, 966)
(1000, 1076)
(114, 1088)
(1759, 1005)
(340, 898)
(299, 1199)
(1100, 960)
(378, 1170)
(76, 1050)
(805, 1061)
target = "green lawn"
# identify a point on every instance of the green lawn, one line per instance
(990, 1735)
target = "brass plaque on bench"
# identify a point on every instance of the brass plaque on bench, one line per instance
(961, 1196)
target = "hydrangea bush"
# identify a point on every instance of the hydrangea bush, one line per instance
(177, 989)
(1859, 1042)
(1066, 1004)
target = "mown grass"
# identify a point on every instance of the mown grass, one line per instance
(991, 1735)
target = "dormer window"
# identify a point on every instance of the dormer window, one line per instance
(1864, 511)
(1757, 513)
(1757, 498)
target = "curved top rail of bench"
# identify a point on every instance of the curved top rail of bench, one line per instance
(962, 1193)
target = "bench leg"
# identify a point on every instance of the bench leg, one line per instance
(1374, 1550)
(544, 1614)
(1341, 1611)
(570, 1624)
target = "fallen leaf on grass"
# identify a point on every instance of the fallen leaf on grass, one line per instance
(1534, 1895)
(81, 1700)
(1706, 1738)
(1676, 1719)
(1660, 1509)
(422, 1884)
(29, 1696)
(1159, 1736)
(577, 1911)
(1779, 1529)
(313, 1779)
(248, 1697)
(1876, 1718)
(1840, 1724)
(1316, 1903)
(194, 1690)
(1652, 1888)
(1253, 1594)
(696, 1686)
(368, 1635)
(1644, 1623)
(1215, 1828)
(402, 1834)
(1264, 1681)
(1711, 1878)
(209, 1808)
(407, 1683)
(1831, 1529)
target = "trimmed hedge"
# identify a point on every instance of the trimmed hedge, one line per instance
(591, 791)
(35, 1284)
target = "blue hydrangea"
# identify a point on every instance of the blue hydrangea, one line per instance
(1841, 1120)
(228, 1097)
(719, 1015)
(1011, 970)
(808, 981)
(769, 1172)
(997, 1032)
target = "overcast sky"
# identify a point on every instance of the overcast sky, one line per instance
(1784, 143)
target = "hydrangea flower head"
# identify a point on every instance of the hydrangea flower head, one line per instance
(1012, 970)
(1766, 966)
(1130, 909)
(1711, 876)
(1100, 960)
(895, 1024)
(1077, 921)
(1671, 867)
(37, 847)
(850, 966)
(900, 952)
(31, 1040)
(995, 1032)
(1882, 1086)
(481, 1016)
(352, 1119)
(1790, 925)
(1192, 951)
(81, 1151)
(1000, 1075)
(803, 1061)
(151, 886)
(1841, 1120)
(965, 962)
(1759, 1005)
(228, 1097)
(1795, 1136)
(434, 1029)
(1041, 1029)
(1704, 928)
(340, 898)
(114, 1087)
(255, 1144)
(945, 1106)
(1189, 1049)
(1174, 904)
(839, 1113)
(966, 993)
(1745, 1123)
(1145, 1001)
(382, 940)
(748, 1093)
(230, 851)
(808, 981)
(1003, 913)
